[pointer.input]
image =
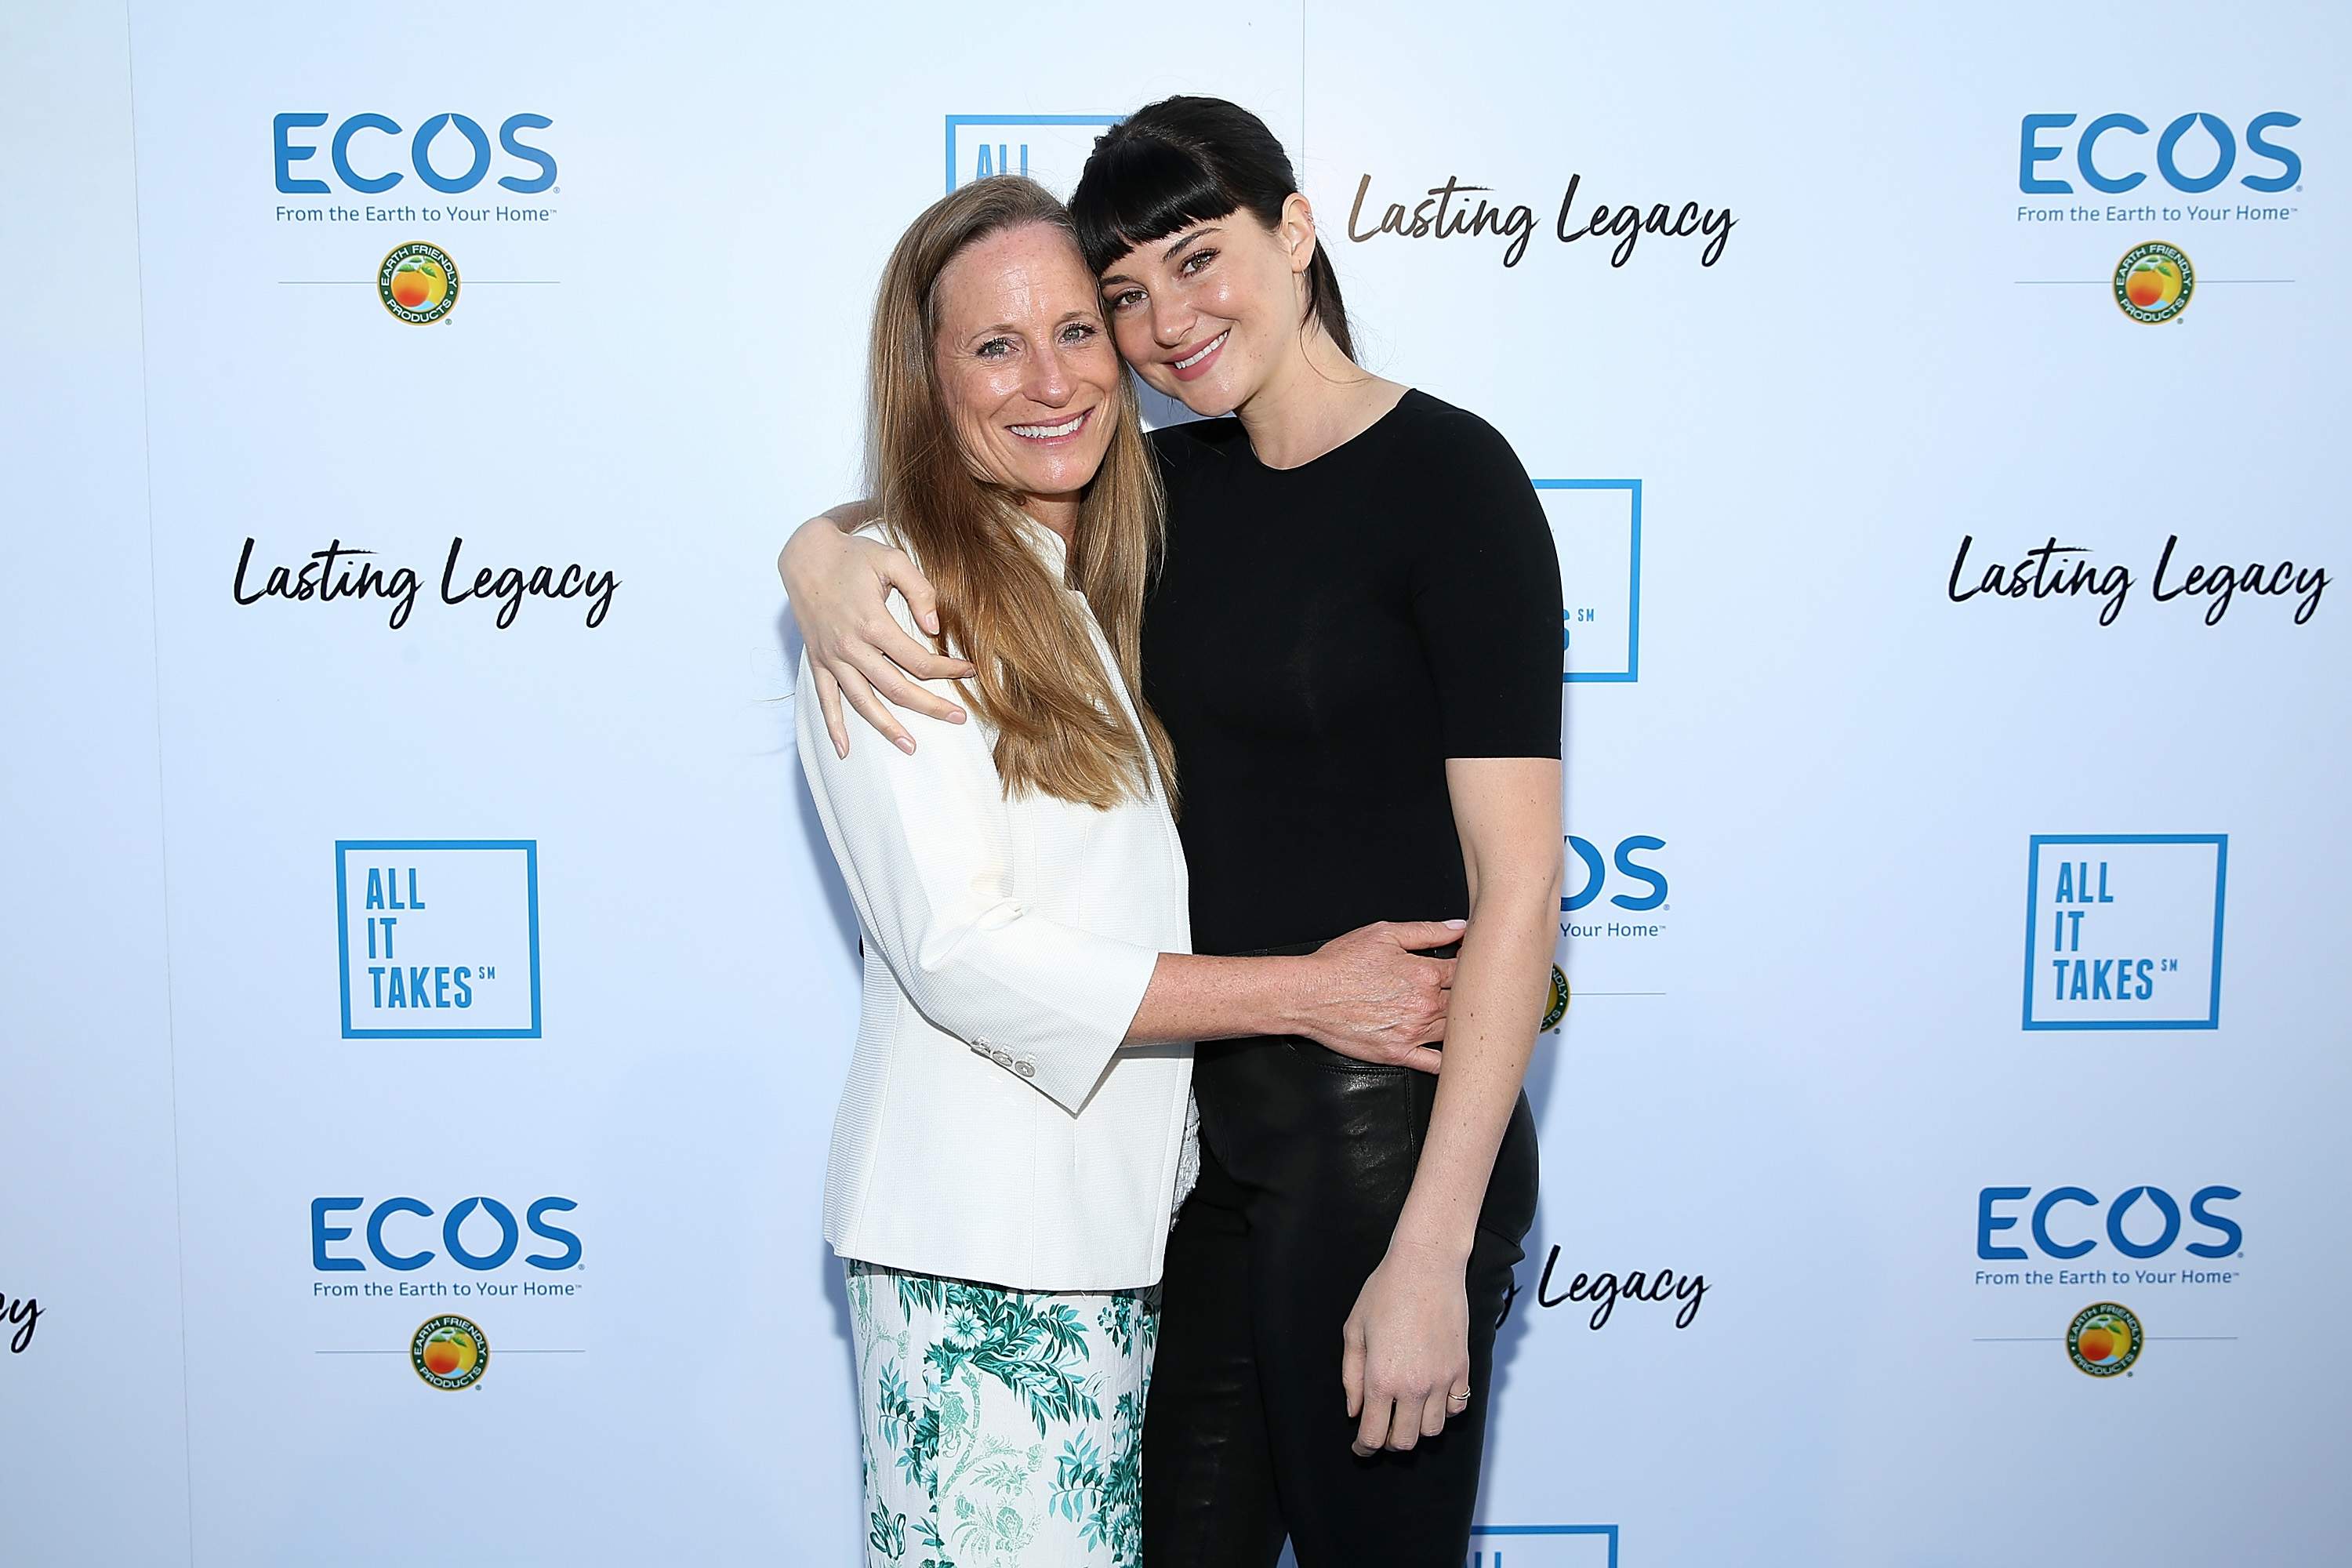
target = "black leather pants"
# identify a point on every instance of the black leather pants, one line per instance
(1305, 1159)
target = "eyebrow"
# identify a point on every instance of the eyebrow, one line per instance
(1182, 240)
(1178, 243)
(982, 333)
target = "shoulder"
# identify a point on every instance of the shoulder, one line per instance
(1487, 518)
(1194, 441)
(1430, 427)
(1439, 448)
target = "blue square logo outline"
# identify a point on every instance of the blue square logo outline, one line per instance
(2220, 843)
(530, 847)
(1609, 1530)
(958, 121)
(1633, 670)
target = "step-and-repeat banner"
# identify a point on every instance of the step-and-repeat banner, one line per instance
(428, 988)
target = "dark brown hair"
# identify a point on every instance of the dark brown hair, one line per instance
(1183, 161)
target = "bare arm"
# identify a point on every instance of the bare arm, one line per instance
(1406, 1345)
(1366, 996)
(839, 588)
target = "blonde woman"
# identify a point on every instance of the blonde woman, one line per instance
(1014, 1133)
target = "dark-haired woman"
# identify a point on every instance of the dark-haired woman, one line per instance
(1353, 644)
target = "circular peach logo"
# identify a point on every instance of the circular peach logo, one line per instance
(2103, 1339)
(449, 1352)
(1556, 1005)
(418, 282)
(2153, 281)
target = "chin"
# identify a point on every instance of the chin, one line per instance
(1208, 402)
(1063, 479)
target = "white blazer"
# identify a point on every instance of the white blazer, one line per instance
(992, 1129)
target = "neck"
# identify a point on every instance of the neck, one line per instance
(1059, 513)
(1315, 398)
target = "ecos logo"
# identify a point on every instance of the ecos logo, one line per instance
(2067, 1223)
(405, 1244)
(372, 153)
(2110, 153)
(1619, 874)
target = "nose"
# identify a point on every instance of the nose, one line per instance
(1049, 381)
(1171, 322)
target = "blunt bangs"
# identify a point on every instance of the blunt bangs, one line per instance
(1137, 189)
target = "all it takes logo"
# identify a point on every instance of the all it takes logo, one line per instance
(438, 938)
(1542, 1546)
(1050, 149)
(2123, 930)
(1596, 531)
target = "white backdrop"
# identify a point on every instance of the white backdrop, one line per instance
(1847, 836)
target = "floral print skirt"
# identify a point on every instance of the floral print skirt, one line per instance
(1002, 1428)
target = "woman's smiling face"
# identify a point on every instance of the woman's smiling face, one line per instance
(1203, 314)
(1028, 374)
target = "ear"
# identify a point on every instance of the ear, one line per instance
(1296, 231)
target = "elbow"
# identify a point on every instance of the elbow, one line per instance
(1524, 887)
(947, 972)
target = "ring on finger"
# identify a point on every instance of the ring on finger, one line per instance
(1459, 1396)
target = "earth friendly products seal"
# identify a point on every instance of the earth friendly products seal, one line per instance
(418, 282)
(2153, 282)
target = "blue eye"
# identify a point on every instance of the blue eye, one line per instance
(985, 350)
(1077, 332)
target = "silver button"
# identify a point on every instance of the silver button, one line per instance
(1025, 1068)
(1003, 1058)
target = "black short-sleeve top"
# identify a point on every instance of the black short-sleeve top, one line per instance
(1320, 640)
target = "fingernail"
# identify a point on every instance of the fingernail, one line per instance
(932, 625)
(1457, 925)
(841, 752)
(906, 745)
(955, 715)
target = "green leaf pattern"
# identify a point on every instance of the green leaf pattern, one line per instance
(999, 1423)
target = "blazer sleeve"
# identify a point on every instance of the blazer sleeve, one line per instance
(924, 844)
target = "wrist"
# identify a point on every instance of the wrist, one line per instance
(793, 563)
(1419, 1241)
(1288, 995)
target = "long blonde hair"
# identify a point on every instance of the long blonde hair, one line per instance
(1060, 728)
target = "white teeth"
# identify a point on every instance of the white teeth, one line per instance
(1206, 349)
(1048, 432)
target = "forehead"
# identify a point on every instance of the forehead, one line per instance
(1013, 274)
